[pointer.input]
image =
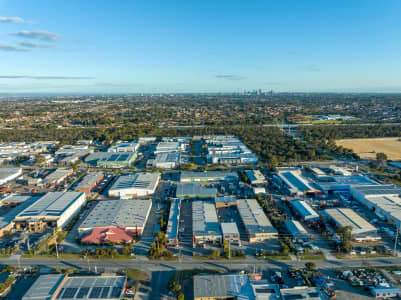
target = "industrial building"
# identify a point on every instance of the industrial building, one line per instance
(205, 224)
(257, 225)
(207, 176)
(7, 219)
(14, 199)
(135, 185)
(124, 147)
(60, 286)
(117, 160)
(88, 182)
(169, 147)
(297, 231)
(69, 150)
(225, 201)
(344, 183)
(194, 190)
(255, 177)
(294, 183)
(227, 286)
(173, 223)
(301, 292)
(165, 160)
(304, 211)
(228, 150)
(116, 221)
(231, 233)
(362, 230)
(385, 200)
(8, 174)
(57, 177)
(340, 171)
(54, 209)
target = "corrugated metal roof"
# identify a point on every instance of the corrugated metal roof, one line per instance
(253, 217)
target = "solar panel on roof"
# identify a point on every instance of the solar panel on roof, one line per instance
(69, 293)
(95, 293)
(60, 293)
(82, 292)
(105, 292)
(116, 292)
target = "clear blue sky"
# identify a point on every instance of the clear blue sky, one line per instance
(199, 46)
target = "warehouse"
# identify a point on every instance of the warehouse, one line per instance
(169, 147)
(297, 231)
(117, 160)
(60, 286)
(385, 200)
(135, 185)
(344, 183)
(257, 225)
(225, 201)
(256, 177)
(116, 221)
(54, 209)
(296, 184)
(208, 176)
(88, 182)
(230, 233)
(7, 220)
(165, 160)
(14, 199)
(222, 286)
(362, 230)
(124, 147)
(173, 223)
(205, 224)
(194, 190)
(304, 211)
(8, 174)
(301, 292)
(57, 177)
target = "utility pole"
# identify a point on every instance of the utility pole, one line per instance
(229, 249)
(395, 242)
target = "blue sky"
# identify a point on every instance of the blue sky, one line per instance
(199, 46)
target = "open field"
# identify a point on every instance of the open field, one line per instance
(367, 148)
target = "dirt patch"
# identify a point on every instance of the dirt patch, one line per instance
(367, 148)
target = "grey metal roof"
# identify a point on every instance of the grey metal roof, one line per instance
(347, 217)
(89, 179)
(212, 175)
(294, 227)
(204, 218)
(7, 172)
(229, 228)
(10, 215)
(124, 213)
(44, 287)
(304, 210)
(51, 204)
(56, 175)
(173, 219)
(253, 217)
(143, 181)
(236, 286)
(225, 199)
(167, 157)
(188, 189)
(372, 190)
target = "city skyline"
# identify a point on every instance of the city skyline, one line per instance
(181, 47)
